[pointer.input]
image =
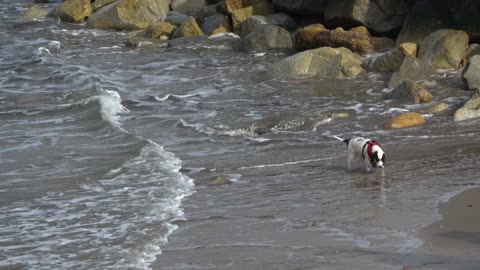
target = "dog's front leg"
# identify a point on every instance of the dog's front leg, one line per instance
(367, 166)
(349, 161)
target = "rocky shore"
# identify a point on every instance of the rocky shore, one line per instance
(407, 40)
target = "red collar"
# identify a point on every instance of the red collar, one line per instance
(370, 146)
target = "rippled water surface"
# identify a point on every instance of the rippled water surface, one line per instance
(108, 154)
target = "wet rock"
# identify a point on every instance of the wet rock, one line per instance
(36, 12)
(129, 14)
(176, 18)
(98, 4)
(405, 120)
(410, 91)
(440, 107)
(228, 6)
(471, 73)
(216, 43)
(268, 37)
(382, 43)
(73, 11)
(378, 16)
(217, 24)
(301, 7)
(473, 49)
(142, 42)
(354, 41)
(187, 6)
(187, 41)
(387, 62)
(279, 19)
(410, 69)
(242, 14)
(427, 16)
(361, 30)
(218, 181)
(160, 29)
(337, 115)
(321, 62)
(444, 49)
(408, 49)
(470, 110)
(206, 11)
(304, 38)
(188, 28)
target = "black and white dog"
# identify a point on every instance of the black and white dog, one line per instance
(368, 150)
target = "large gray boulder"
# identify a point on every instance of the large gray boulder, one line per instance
(279, 19)
(444, 49)
(473, 49)
(411, 69)
(471, 73)
(386, 62)
(98, 4)
(470, 110)
(427, 16)
(176, 18)
(411, 92)
(129, 14)
(380, 16)
(268, 37)
(321, 62)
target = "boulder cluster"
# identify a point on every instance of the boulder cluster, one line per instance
(409, 40)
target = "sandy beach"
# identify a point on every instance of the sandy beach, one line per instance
(454, 241)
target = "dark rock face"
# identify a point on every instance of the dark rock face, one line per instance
(427, 16)
(379, 16)
(301, 7)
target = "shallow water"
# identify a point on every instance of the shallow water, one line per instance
(107, 153)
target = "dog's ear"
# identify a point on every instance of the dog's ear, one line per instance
(383, 158)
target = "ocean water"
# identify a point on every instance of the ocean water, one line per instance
(107, 155)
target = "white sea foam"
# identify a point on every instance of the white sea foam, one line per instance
(167, 96)
(224, 35)
(118, 222)
(111, 106)
(286, 163)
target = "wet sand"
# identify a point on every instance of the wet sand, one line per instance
(454, 241)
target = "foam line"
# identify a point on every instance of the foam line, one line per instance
(286, 163)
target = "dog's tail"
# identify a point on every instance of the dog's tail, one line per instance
(342, 140)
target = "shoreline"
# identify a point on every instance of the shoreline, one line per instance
(453, 242)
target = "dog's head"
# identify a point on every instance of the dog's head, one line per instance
(378, 159)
